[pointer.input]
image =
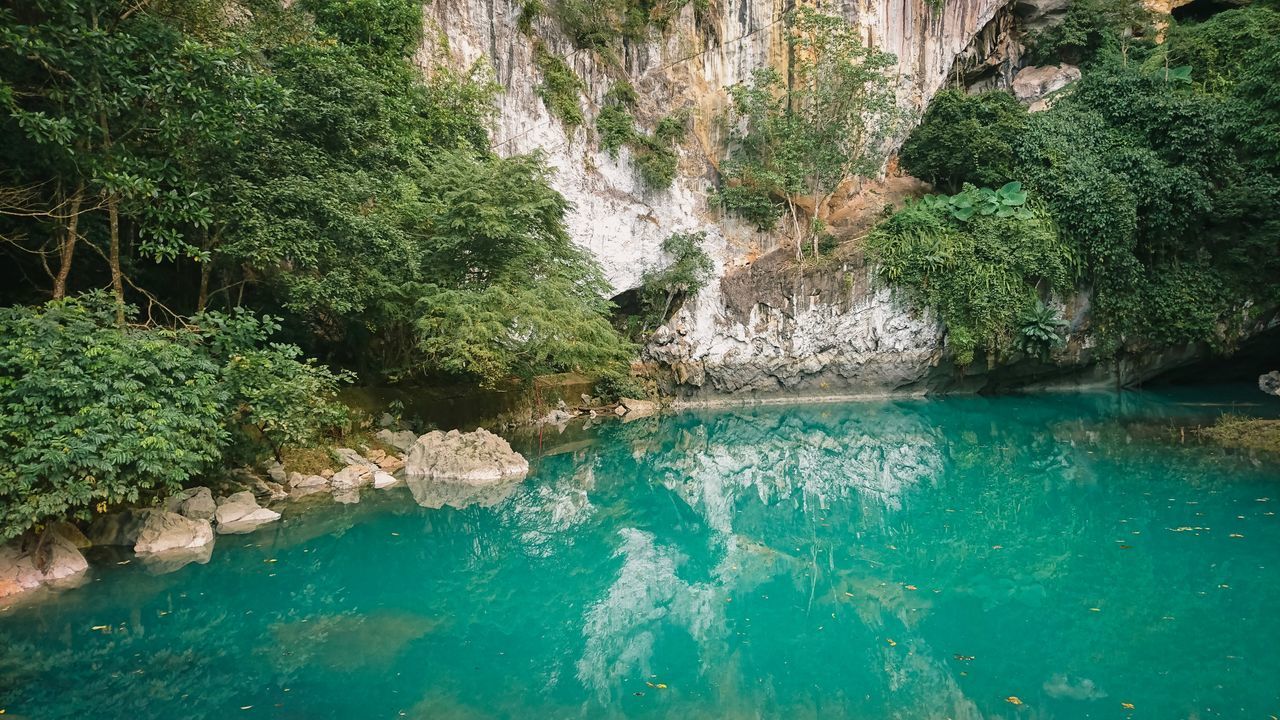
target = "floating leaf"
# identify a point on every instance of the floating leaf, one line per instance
(1013, 700)
(1126, 705)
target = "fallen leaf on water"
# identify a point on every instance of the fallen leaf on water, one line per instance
(964, 658)
(1236, 535)
(638, 693)
(1095, 609)
(848, 593)
(662, 686)
(269, 560)
(646, 682)
(246, 707)
(997, 547)
(1126, 547)
(912, 587)
(123, 562)
(1013, 700)
(100, 627)
(891, 642)
(1126, 706)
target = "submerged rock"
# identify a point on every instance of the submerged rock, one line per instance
(240, 513)
(196, 503)
(1270, 383)
(435, 494)
(478, 458)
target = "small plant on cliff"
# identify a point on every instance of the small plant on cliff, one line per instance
(687, 272)
(653, 156)
(1040, 331)
(560, 86)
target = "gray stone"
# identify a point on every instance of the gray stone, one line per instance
(240, 513)
(268, 491)
(386, 420)
(401, 440)
(638, 408)
(478, 458)
(353, 476)
(308, 481)
(1034, 83)
(1270, 383)
(150, 530)
(163, 531)
(383, 479)
(347, 456)
(195, 503)
(276, 473)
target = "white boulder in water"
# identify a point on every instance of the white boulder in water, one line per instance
(240, 513)
(477, 458)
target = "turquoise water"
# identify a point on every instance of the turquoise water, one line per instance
(907, 559)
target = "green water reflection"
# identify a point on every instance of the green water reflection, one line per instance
(909, 559)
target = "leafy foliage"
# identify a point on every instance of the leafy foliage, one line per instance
(966, 139)
(687, 272)
(653, 155)
(1159, 167)
(981, 274)
(1040, 331)
(99, 413)
(1007, 202)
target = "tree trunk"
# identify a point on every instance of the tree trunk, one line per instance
(68, 249)
(206, 267)
(117, 282)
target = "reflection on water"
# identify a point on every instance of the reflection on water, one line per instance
(883, 560)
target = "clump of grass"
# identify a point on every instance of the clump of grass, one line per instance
(560, 86)
(1237, 431)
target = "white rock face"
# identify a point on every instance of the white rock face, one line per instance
(623, 223)
(615, 216)
(475, 458)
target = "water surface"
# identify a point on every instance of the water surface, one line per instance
(907, 559)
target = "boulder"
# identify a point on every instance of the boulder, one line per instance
(163, 532)
(307, 481)
(382, 479)
(478, 458)
(353, 476)
(347, 456)
(70, 533)
(401, 440)
(195, 503)
(50, 560)
(620, 410)
(268, 491)
(276, 473)
(240, 513)
(391, 463)
(1270, 383)
(1035, 82)
(386, 420)
(638, 408)
(151, 530)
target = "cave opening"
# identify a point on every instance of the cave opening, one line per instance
(1201, 10)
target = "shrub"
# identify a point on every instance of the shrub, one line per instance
(99, 413)
(96, 413)
(687, 272)
(966, 139)
(980, 274)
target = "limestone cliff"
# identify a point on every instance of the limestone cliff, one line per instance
(824, 319)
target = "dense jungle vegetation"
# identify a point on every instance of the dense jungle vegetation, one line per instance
(1152, 182)
(196, 195)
